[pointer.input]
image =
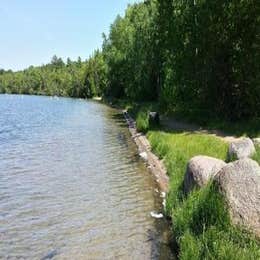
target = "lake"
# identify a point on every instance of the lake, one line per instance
(72, 185)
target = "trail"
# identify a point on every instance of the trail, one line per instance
(172, 124)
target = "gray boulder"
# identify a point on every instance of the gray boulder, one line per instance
(154, 118)
(200, 170)
(256, 142)
(241, 148)
(239, 182)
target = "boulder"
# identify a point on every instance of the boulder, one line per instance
(241, 148)
(200, 170)
(239, 182)
(154, 118)
(256, 142)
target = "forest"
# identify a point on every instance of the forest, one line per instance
(191, 57)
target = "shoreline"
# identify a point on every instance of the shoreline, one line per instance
(153, 163)
(158, 172)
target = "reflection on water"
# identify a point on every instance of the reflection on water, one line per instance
(71, 185)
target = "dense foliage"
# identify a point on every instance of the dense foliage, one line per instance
(130, 53)
(195, 57)
(198, 57)
(211, 56)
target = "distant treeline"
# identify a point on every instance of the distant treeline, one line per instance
(73, 78)
(199, 57)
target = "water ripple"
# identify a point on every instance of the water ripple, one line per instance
(71, 186)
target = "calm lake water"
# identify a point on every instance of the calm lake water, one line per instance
(72, 185)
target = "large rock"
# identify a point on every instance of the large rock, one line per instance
(154, 118)
(241, 148)
(200, 170)
(239, 182)
(256, 142)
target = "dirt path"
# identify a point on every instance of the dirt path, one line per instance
(176, 125)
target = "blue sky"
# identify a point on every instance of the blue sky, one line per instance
(33, 31)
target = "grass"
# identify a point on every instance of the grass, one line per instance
(201, 222)
(205, 119)
(256, 156)
(208, 120)
(176, 149)
(142, 121)
(140, 111)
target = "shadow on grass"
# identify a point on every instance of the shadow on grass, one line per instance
(209, 123)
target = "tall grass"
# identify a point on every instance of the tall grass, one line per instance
(141, 114)
(176, 149)
(256, 156)
(142, 121)
(201, 222)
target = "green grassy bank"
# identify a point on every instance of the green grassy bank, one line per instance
(200, 221)
(201, 224)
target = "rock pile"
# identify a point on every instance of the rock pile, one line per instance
(237, 181)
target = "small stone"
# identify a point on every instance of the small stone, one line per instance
(163, 194)
(156, 215)
(144, 156)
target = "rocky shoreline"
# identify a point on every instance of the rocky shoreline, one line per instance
(153, 163)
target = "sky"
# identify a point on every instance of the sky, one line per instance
(32, 31)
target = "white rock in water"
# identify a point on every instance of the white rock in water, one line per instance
(156, 215)
(163, 194)
(143, 155)
(164, 203)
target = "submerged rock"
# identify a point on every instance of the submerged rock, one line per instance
(163, 194)
(241, 148)
(239, 182)
(50, 255)
(200, 170)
